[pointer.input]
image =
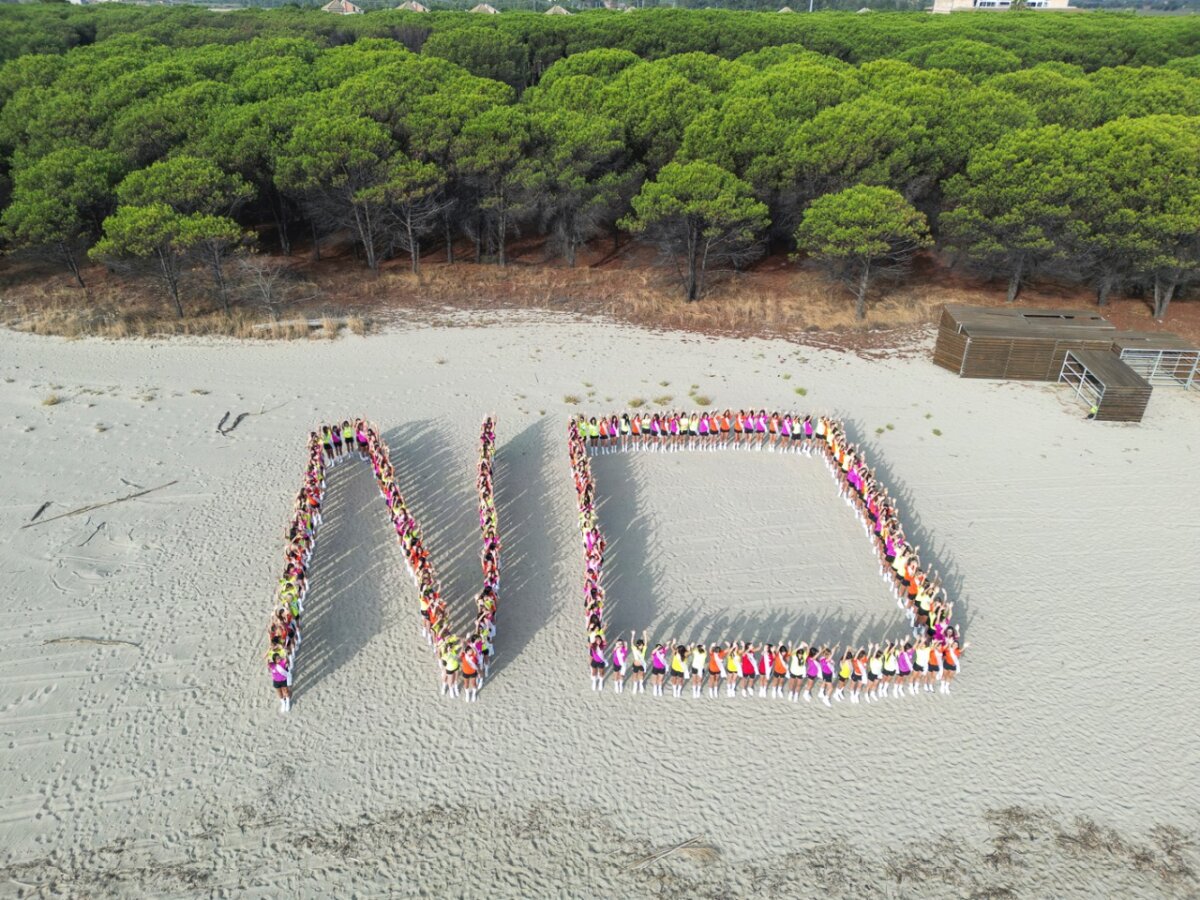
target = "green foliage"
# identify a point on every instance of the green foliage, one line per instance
(59, 202)
(158, 240)
(187, 184)
(1034, 142)
(485, 51)
(1013, 210)
(975, 59)
(861, 232)
(701, 214)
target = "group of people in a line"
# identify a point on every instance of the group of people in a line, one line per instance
(358, 439)
(593, 545)
(870, 672)
(674, 431)
(469, 661)
(326, 446)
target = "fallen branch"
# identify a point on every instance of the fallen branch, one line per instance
(83, 509)
(106, 642)
(221, 424)
(655, 857)
(236, 422)
(41, 509)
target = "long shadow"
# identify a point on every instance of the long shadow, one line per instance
(526, 482)
(350, 574)
(936, 553)
(357, 577)
(636, 577)
(633, 575)
(437, 481)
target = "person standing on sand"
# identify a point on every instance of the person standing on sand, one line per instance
(716, 659)
(950, 655)
(638, 679)
(678, 669)
(699, 658)
(469, 660)
(795, 673)
(596, 652)
(277, 668)
(450, 666)
(620, 655)
(658, 668)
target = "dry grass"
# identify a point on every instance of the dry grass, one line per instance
(637, 402)
(663, 400)
(571, 400)
(328, 330)
(51, 400)
(775, 298)
(702, 400)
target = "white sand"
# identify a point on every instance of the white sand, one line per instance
(161, 766)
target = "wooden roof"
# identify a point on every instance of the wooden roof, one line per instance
(1151, 340)
(1026, 318)
(1109, 370)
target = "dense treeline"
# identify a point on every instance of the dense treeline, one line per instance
(1020, 144)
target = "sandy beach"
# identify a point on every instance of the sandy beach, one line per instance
(141, 752)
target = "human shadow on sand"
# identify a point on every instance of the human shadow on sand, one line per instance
(353, 568)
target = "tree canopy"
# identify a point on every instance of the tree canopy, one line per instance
(1029, 143)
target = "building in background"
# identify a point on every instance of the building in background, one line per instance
(945, 6)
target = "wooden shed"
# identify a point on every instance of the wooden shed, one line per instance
(1024, 344)
(1102, 380)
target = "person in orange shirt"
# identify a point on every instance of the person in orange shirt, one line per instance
(779, 671)
(470, 672)
(935, 667)
(951, 652)
(716, 665)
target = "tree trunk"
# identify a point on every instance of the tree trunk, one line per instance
(414, 246)
(1103, 289)
(72, 264)
(218, 273)
(1164, 291)
(1014, 281)
(449, 237)
(279, 213)
(502, 237)
(366, 235)
(693, 252)
(316, 242)
(860, 292)
(171, 279)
